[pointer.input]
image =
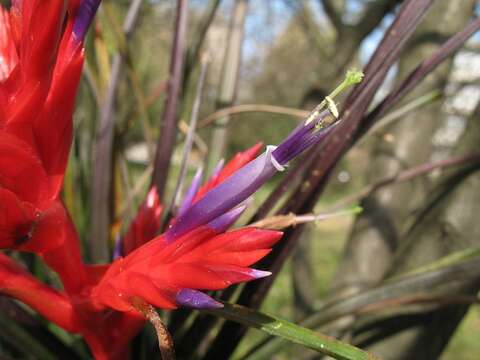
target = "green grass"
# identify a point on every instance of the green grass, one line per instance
(465, 344)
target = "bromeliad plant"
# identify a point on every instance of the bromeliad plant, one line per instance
(41, 56)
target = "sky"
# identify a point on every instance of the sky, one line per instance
(268, 18)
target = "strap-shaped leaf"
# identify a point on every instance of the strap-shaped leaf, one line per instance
(294, 333)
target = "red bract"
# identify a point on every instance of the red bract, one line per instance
(145, 225)
(41, 67)
(201, 259)
(147, 222)
(8, 52)
(16, 282)
(22, 227)
(41, 56)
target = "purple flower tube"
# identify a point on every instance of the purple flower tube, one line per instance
(243, 183)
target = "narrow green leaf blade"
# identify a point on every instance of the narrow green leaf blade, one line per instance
(22, 340)
(294, 333)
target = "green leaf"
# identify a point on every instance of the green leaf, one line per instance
(294, 333)
(462, 265)
(23, 340)
(454, 258)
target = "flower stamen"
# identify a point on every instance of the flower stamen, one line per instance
(352, 77)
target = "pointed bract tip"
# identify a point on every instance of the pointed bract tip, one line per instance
(152, 197)
(259, 274)
(225, 221)
(191, 192)
(197, 300)
(218, 168)
(254, 149)
(199, 173)
(117, 248)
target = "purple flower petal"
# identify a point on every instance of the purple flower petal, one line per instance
(245, 181)
(224, 197)
(191, 192)
(217, 168)
(196, 299)
(117, 248)
(225, 221)
(301, 138)
(86, 12)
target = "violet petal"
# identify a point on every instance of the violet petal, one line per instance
(259, 274)
(224, 197)
(85, 14)
(217, 169)
(225, 221)
(117, 248)
(196, 299)
(245, 181)
(191, 192)
(298, 140)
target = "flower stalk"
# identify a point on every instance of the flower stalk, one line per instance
(165, 341)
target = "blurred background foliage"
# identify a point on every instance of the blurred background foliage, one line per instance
(293, 52)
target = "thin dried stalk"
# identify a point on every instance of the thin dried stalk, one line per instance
(246, 108)
(165, 342)
(134, 193)
(166, 141)
(417, 75)
(102, 165)
(187, 148)
(405, 175)
(197, 140)
(280, 222)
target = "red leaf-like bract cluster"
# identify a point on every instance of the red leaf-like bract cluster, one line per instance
(200, 259)
(41, 58)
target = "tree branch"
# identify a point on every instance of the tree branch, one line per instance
(333, 15)
(373, 17)
(351, 36)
